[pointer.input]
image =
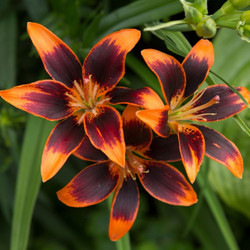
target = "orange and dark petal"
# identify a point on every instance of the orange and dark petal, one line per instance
(59, 60)
(104, 130)
(63, 140)
(164, 149)
(86, 151)
(170, 74)
(157, 119)
(197, 65)
(167, 184)
(192, 149)
(44, 98)
(91, 186)
(137, 134)
(106, 61)
(222, 150)
(124, 208)
(229, 103)
(144, 97)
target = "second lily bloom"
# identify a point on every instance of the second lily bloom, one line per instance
(183, 105)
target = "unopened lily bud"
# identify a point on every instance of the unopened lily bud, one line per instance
(192, 15)
(240, 4)
(206, 28)
(243, 27)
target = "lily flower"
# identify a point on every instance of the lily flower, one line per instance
(97, 181)
(76, 95)
(183, 105)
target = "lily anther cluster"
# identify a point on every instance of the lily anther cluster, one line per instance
(138, 144)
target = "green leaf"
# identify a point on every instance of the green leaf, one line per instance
(8, 41)
(138, 13)
(29, 180)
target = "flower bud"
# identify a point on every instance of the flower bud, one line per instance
(206, 28)
(192, 15)
(240, 4)
(243, 26)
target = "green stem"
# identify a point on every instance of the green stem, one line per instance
(124, 242)
(232, 88)
(242, 124)
(166, 25)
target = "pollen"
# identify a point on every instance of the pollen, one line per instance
(193, 111)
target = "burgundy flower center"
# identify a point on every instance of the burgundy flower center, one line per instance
(84, 97)
(133, 166)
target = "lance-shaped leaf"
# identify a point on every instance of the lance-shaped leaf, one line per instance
(124, 208)
(137, 134)
(197, 65)
(45, 98)
(59, 60)
(92, 185)
(170, 74)
(144, 97)
(167, 184)
(227, 105)
(63, 140)
(220, 149)
(104, 129)
(157, 119)
(111, 52)
(192, 149)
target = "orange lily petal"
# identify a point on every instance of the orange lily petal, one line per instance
(197, 65)
(86, 151)
(59, 60)
(105, 63)
(63, 140)
(222, 150)
(170, 74)
(157, 119)
(45, 98)
(137, 134)
(192, 148)
(167, 184)
(164, 149)
(91, 186)
(144, 97)
(228, 103)
(124, 209)
(104, 129)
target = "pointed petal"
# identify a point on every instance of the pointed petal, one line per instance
(167, 184)
(86, 151)
(144, 97)
(157, 119)
(63, 140)
(104, 129)
(92, 185)
(170, 74)
(137, 134)
(124, 209)
(220, 149)
(197, 65)
(106, 61)
(228, 103)
(192, 148)
(164, 149)
(45, 98)
(59, 60)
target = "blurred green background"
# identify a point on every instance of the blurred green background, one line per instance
(31, 216)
